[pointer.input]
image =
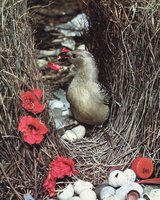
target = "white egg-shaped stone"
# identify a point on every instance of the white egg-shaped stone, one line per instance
(107, 192)
(75, 198)
(79, 131)
(112, 197)
(153, 194)
(130, 174)
(69, 136)
(66, 193)
(137, 187)
(81, 185)
(117, 178)
(122, 192)
(87, 194)
(55, 104)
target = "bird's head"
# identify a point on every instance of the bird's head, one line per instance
(78, 57)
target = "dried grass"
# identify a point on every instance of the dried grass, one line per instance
(22, 167)
(124, 37)
(125, 40)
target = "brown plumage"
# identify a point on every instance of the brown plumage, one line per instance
(85, 95)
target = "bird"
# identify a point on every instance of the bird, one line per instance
(86, 96)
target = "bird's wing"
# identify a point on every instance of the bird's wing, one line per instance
(98, 92)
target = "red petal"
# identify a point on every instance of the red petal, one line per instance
(30, 139)
(30, 101)
(32, 129)
(62, 167)
(38, 93)
(54, 66)
(38, 107)
(49, 184)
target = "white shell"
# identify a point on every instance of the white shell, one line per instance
(74, 198)
(79, 131)
(112, 197)
(88, 194)
(69, 136)
(117, 178)
(123, 191)
(130, 174)
(107, 192)
(55, 104)
(141, 198)
(153, 195)
(80, 185)
(66, 193)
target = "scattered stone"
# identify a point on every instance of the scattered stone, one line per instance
(75, 198)
(88, 194)
(81, 185)
(79, 131)
(69, 136)
(126, 188)
(66, 193)
(153, 195)
(75, 134)
(107, 192)
(131, 174)
(117, 178)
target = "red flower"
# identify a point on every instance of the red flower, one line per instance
(50, 184)
(30, 101)
(59, 168)
(54, 66)
(32, 129)
(62, 167)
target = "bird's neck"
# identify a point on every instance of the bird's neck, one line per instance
(88, 70)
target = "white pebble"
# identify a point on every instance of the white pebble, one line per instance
(126, 188)
(80, 185)
(69, 136)
(117, 178)
(75, 198)
(112, 197)
(107, 192)
(88, 194)
(131, 174)
(79, 131)
(153, 194)
(66, 193)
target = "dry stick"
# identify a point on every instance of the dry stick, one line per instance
(5, 175)
(35, 172)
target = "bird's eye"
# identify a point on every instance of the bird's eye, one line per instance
(74, 55)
